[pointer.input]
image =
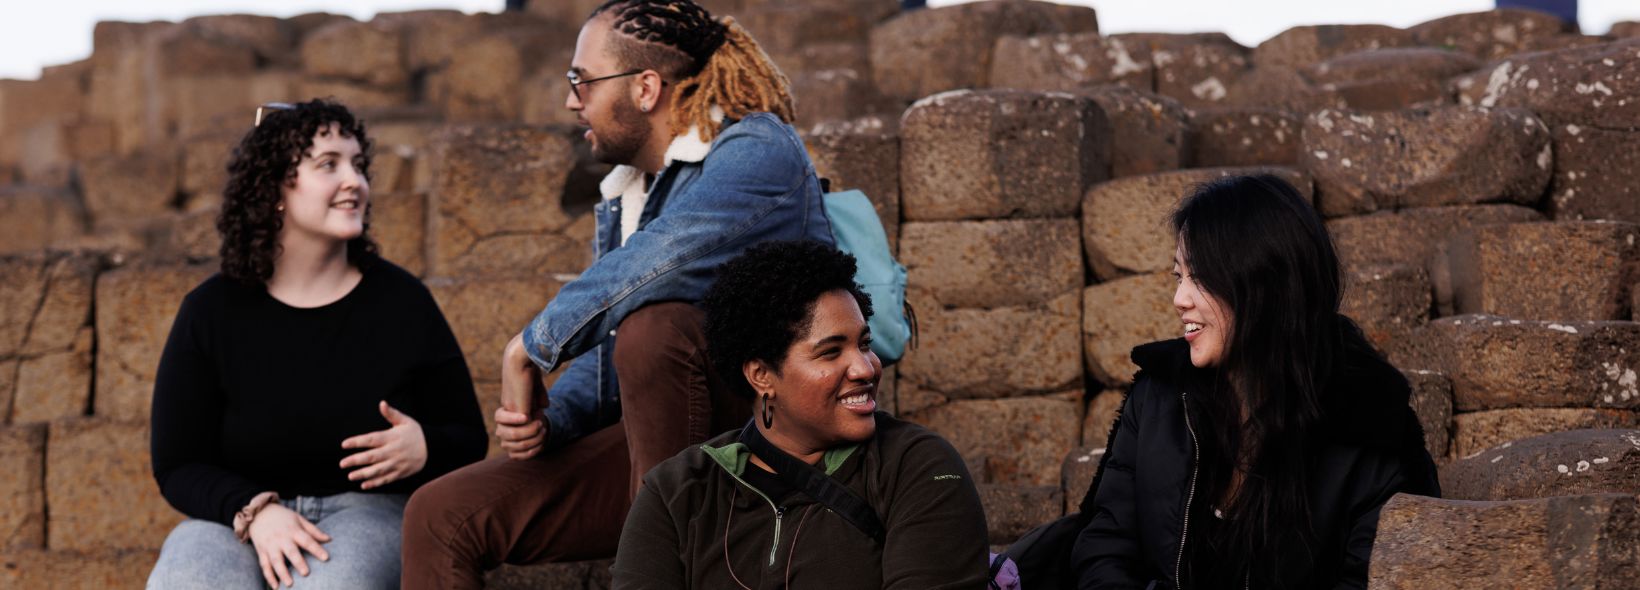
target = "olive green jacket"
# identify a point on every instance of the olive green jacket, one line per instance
(697, 524)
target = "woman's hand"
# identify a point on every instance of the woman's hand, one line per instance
(279, 534)
(394, 454)
(518, 422)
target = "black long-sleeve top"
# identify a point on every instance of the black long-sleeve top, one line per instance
(254, 395)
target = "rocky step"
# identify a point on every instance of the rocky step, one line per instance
(1586, 541)
(1562, 270)
(1366, 161)
(976, 154)
(1568, 463)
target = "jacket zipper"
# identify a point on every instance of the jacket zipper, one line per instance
(779, 513)
(1190, 498)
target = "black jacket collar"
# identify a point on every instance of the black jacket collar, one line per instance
(1364, 403)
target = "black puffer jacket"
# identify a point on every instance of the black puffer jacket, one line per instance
(1372, 448)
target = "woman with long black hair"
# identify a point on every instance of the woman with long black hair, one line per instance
(1257, 450)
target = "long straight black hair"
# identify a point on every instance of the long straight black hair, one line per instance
(1258, 247)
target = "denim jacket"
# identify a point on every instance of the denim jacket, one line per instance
(753, 183)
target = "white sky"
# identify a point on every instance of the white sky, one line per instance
(36, 34)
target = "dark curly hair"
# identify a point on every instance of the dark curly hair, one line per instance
(262, 163)
(764, 300)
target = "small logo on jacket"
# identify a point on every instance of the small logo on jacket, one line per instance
(947, 476)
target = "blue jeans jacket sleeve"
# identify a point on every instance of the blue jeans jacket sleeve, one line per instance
(575, 411)
(755, 185)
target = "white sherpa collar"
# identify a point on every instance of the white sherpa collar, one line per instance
(627, 182)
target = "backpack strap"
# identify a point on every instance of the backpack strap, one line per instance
(815, 483)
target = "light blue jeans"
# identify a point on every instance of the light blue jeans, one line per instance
(364, 548)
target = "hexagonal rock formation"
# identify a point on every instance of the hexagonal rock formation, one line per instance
(371, 52)
(398, 223)
(1594, 173)
(1018, 441)
(1432, 401)
(135, 307)
(499, 203)
(1305, 45)
(1121, 314)
(1388, 302)
(89, 461)
(1363, 162)
(1147, 131)
(591, 575)
(1102, 412)
(1426, 63)
(120, 187)
(1474, 432)
(987, 264)
(1563, 270)
(1496, 362)
(923, 52)
(1125, 221)
(22, 491)
(865, 157)
(1195, 69)
(1081, 466)
(1282, 88)
(1558, 464)
(1067, 62)
(39, 568)
(1493, 33)
(1389, 79)
(1011, 510)
(1590, 86)
(960, 355)
(32, 218)
(1413, 237)
(1243, 137)
(484, 313)
(1566, 542)
(998, 153)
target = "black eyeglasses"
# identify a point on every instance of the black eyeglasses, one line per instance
(575, 81)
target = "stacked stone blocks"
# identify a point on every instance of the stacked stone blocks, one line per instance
(1474, 171)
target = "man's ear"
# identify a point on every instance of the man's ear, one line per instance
(647, 90)
(760, 375)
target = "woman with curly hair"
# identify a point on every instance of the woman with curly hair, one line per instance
(819, 490)
(309, 387)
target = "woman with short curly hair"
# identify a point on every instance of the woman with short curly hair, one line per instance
(820, 489)
(309, 387)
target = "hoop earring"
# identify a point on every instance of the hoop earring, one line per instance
(768, 411)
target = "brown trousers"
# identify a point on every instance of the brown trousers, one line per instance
(570, 504)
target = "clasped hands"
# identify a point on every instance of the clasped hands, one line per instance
(518, 422)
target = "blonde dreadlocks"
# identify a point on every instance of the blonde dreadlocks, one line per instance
(716, 62)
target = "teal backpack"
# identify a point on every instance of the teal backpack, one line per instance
(858, 232)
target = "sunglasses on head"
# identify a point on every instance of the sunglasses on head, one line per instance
(267, 109)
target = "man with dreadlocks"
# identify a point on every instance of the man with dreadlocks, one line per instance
(696, 120)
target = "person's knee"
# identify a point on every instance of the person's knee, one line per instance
(427, 516)
(656, 331)
(201, 554)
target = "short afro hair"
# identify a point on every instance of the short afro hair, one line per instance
(764, 299)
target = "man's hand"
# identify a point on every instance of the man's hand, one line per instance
(521, 434)
(279, 535)
(518, 422)
(392, 455)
